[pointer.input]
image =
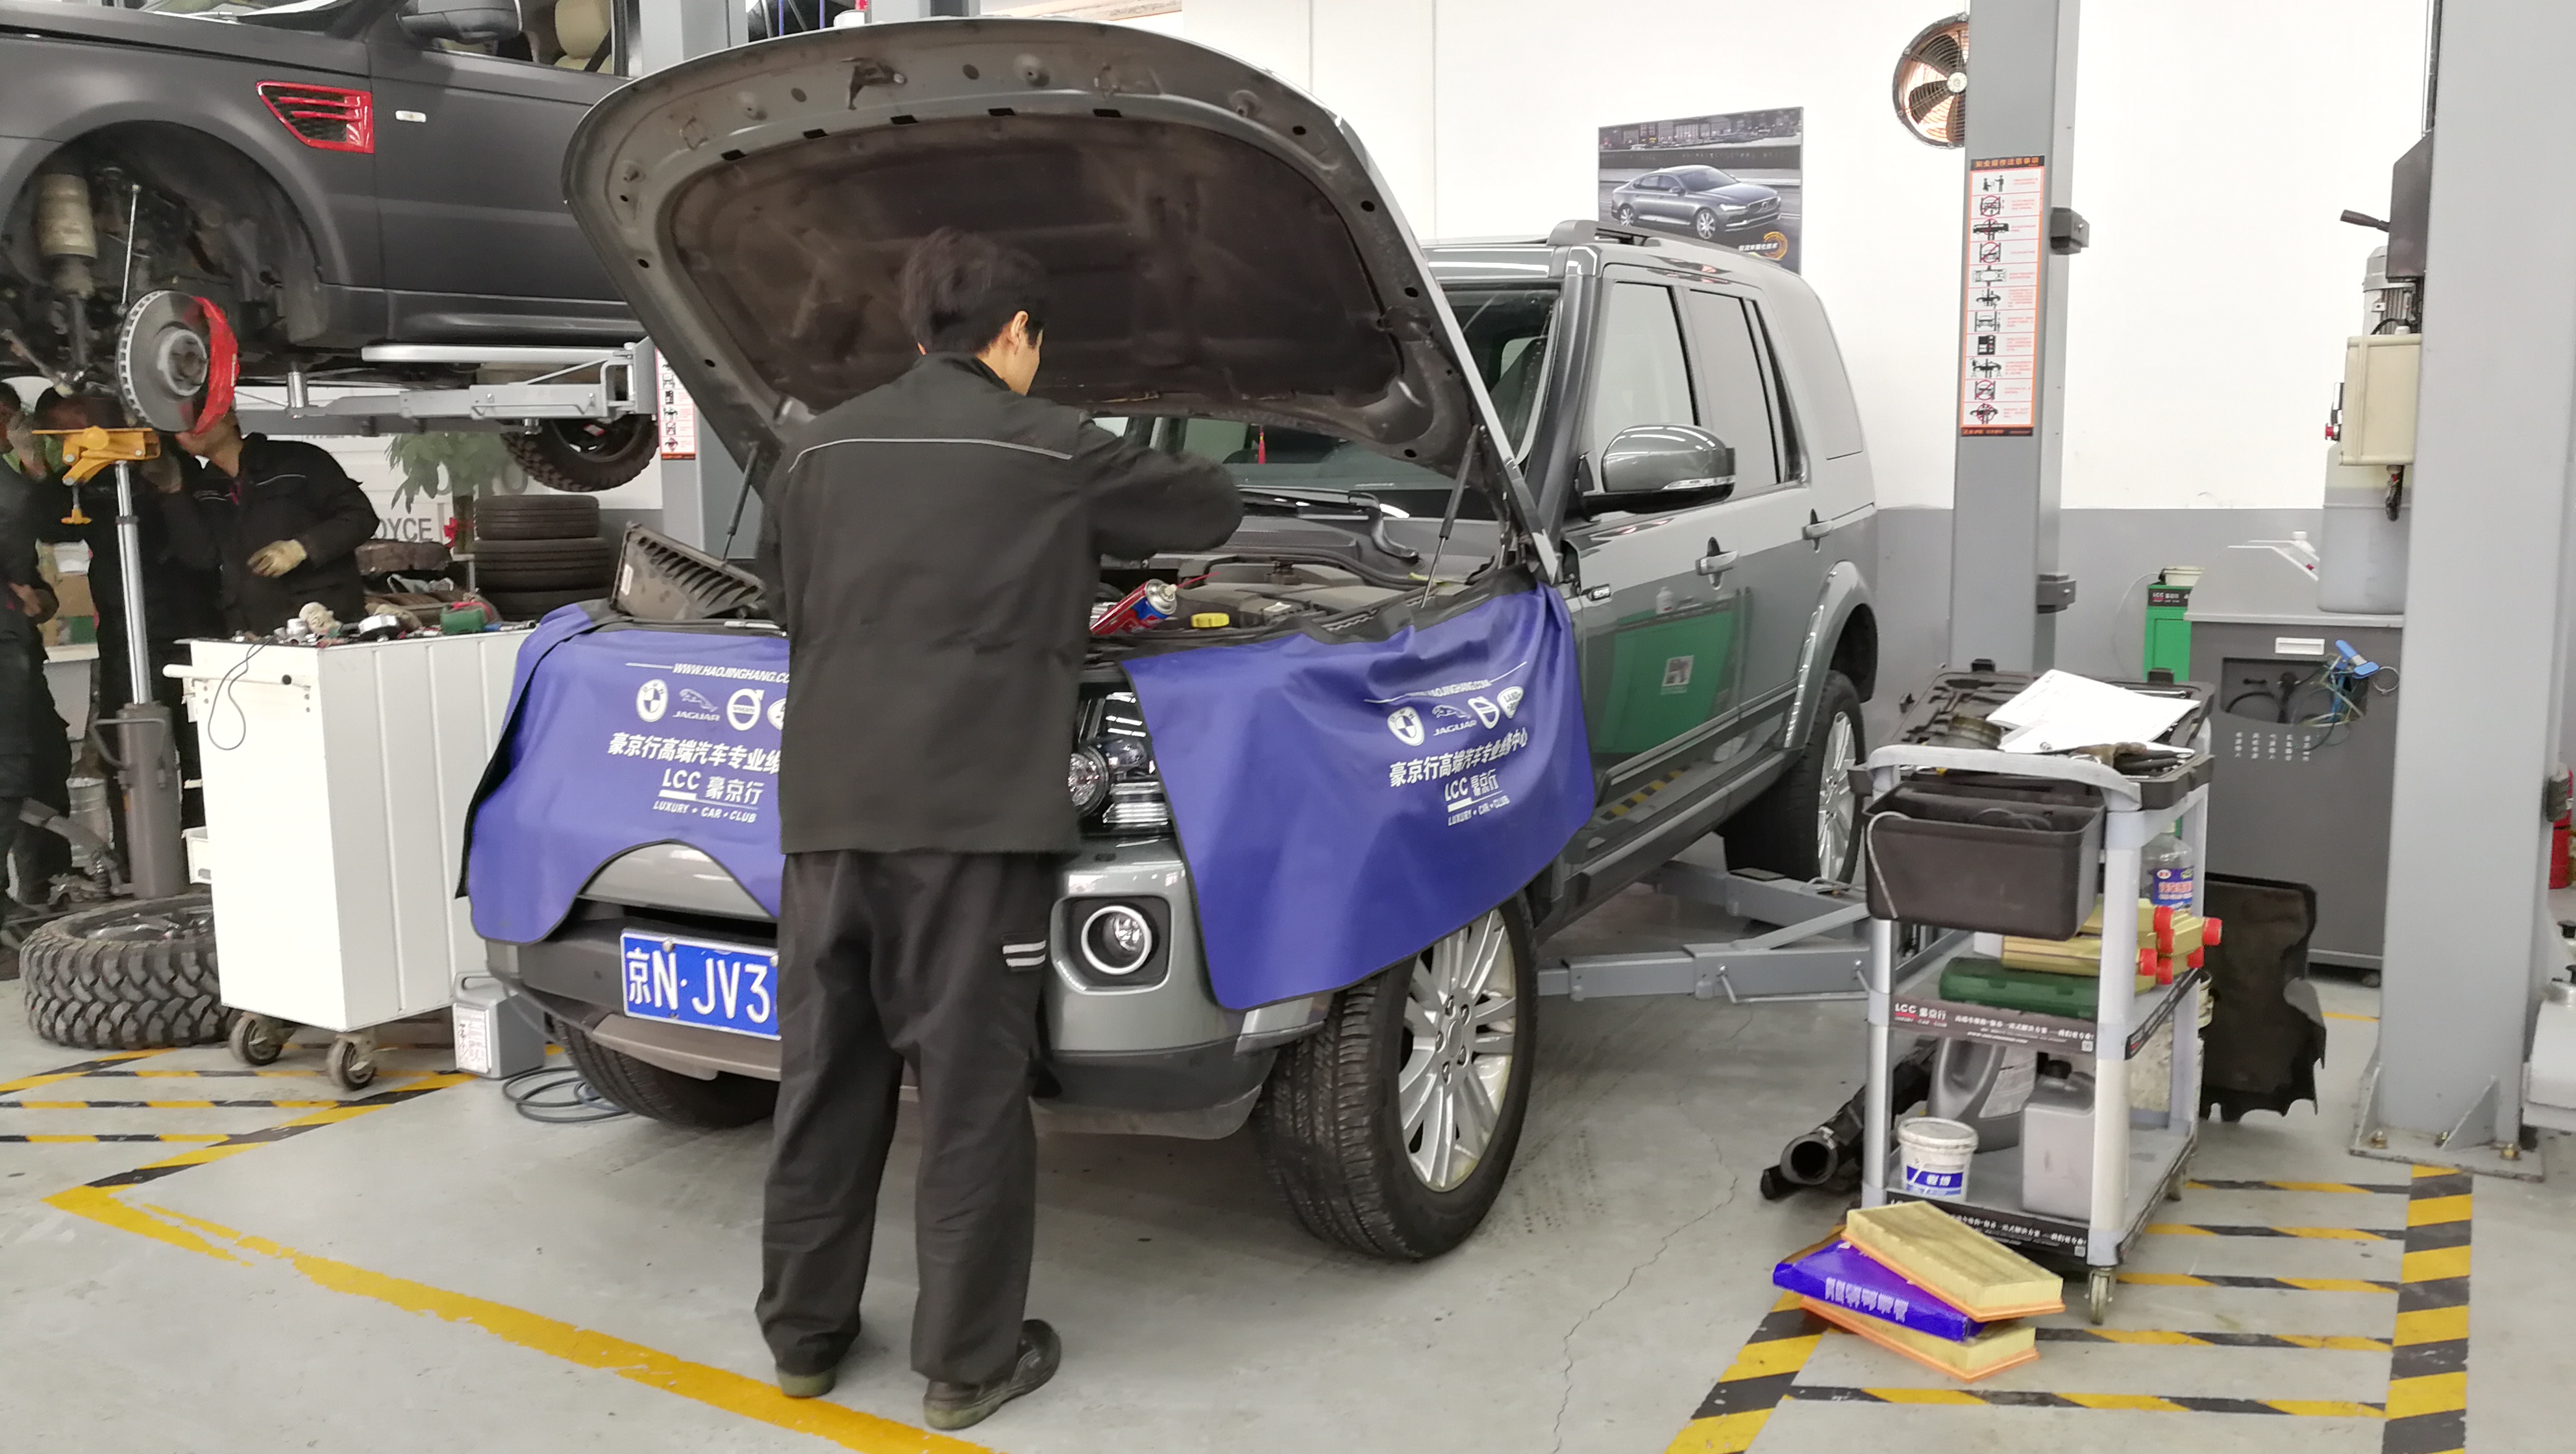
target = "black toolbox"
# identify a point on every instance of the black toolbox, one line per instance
(1995, 854)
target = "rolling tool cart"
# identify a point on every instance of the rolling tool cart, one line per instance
(1965, 839)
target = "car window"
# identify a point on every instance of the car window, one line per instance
(284, 14)
(1643, 378)
(571, 35)
(1734, 394)
(1784, 404)
(1706, 179)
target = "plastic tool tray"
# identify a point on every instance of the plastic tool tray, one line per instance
(1954, 707)
(1917, 1005)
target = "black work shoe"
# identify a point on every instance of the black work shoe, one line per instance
(806, 1385)
(958, 1405)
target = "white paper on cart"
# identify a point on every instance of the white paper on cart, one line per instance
(2062, 711)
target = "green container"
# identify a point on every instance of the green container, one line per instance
(1986, 982)
(2168, 646)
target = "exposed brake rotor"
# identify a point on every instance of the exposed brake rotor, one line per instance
(176, 361)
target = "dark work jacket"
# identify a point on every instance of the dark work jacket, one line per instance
(180, 599)
(287, 490)
(932, 548)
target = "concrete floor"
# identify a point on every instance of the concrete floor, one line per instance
(439, 1274)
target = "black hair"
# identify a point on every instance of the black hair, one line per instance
(960, 290)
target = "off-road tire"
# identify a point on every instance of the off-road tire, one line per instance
(584, 455)
(1777, 831)
(92, 993)
(666, 1095)
(536, 517)
(1330, 1135)
(533, 605)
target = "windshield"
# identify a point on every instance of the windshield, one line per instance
(294, 13)
(1506, 330)
(1706, 179)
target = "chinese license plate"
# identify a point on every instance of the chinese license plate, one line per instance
(692, 982)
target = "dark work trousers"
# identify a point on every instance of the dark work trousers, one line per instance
(888, 960)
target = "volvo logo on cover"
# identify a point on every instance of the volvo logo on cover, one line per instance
(652, 699)
(1406, 724)
(742, 709)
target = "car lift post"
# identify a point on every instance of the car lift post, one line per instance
(156, 853)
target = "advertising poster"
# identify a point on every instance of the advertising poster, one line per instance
(1731, 179)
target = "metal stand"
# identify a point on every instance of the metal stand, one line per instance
(149, 761)
(2130, 1170)
(1773, 966)
(617, 388)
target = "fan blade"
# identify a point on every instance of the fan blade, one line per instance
(1943, 53)
(1923, 100)
(1954, 127)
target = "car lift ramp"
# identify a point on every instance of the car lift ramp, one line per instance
(568, 383)
(1816, 953)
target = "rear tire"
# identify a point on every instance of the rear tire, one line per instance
(584, 455)
(1331, 1128)
(1780, 830)
(536, 517)
(666, 1095)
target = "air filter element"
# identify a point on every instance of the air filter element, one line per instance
(659, 579)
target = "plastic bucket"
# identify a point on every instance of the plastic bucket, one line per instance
(1935, 1156)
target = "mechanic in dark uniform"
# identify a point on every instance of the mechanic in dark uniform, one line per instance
(35, 753)
(932, 549)
(280, 519)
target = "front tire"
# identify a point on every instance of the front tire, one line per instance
(1807, 825)
(1704, 223)
(1390, 1130)
(666, 1095)
(1624, 213)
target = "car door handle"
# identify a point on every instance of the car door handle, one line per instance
(1717, 562)
(1816, 528)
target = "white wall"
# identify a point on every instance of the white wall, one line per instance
(2216, 142)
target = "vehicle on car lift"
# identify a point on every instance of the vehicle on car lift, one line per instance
(1683, 460)
(335, 175)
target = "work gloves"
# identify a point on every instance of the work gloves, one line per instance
(277, 558)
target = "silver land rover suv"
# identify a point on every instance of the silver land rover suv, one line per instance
(1682, 463)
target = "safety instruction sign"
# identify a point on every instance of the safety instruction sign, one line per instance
(1999, 332)
(679, 415)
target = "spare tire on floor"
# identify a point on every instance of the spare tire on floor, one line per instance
(536, 517)
(129, 976)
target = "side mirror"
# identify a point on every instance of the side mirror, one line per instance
(1653, 457)
(465, 22)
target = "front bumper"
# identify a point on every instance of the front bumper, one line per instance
(1153, 1051)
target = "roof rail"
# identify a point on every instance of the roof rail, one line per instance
(1576, 230)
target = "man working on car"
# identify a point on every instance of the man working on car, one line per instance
(932, 549)
(279, 518)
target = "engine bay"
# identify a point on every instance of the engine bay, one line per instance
(1231, 594)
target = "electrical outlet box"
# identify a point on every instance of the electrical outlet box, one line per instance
(2379, 378)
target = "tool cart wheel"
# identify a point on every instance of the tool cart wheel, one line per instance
(350, 1065)
(2097, 1294)
(259, 1040)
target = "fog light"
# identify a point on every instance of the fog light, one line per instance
(1117, 940)
(1138, 807)
(1087, 780)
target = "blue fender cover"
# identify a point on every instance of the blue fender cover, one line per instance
(619, 736)
(1344, 803)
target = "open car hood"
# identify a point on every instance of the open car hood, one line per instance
(1218, 242)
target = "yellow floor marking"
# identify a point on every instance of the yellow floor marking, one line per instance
(2434, 1393)
(2155, 1337)
(1780, 1355)
(2436, 1264)
(1956, 1398)
(1725, 1434)
(2324, 1234)
(2432, 1325)
(2434, 1211)
(30, 1082)
(2336, 1342)
(2334, 1284)
(2140, 1402)
(100, 1205)
(2340, 1015)
(715, 1387)
(2324, 1408)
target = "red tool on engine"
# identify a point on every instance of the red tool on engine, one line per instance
(1150, 604)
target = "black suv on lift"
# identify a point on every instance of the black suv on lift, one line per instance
(334, 173)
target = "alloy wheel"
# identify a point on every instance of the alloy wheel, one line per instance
(1623, 213)
(1460, 1020)
(1705, 224)
(1836, 803)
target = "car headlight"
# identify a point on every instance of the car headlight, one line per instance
(1117, 940)
(1087, 779)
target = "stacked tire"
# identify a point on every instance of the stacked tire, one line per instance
(534, 553)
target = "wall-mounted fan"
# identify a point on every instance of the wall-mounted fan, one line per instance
(1932, 83)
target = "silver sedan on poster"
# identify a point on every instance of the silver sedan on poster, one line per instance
(1707, 201)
